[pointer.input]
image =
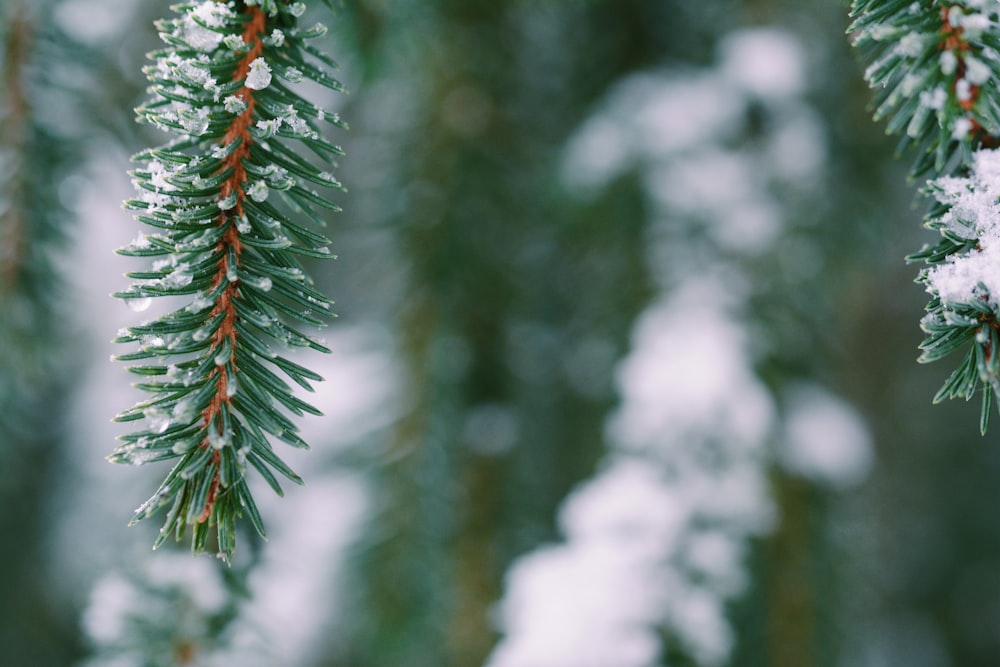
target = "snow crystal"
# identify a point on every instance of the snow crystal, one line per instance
(194, 121)
(140, 242)
(268, 127)
(200, 303)
(297, 8)
(211, 13)
(228, 202)
(976, 71)
(910, 45)
(138, 305)
(179, 277)
(949, 62)
(217, 440)
(963, 126)
(296, 124)
(963, 90)
(182, 447)
(200, 38)
(974, 25)
(234, 104)
(934, 99)
(825, 439)
(184, 410)
(955, 15)
(258, 191)
(293, 75)
(235, 43)
(329, 178)
(910, 84)
(159, 420)
(259, 76)
(191, 70)
(276, 38)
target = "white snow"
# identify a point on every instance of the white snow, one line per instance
(974, 214)
(212, 14)
(825, 439)
(949, 62)
(766, 62)
(258, 191)
(259, 76)
(234, 104)
(138, 305)
(654, 544)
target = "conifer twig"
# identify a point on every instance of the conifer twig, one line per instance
(223, 85)
(936, 67)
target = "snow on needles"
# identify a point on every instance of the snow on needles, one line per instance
(974, 214)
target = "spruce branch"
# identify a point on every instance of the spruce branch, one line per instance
(936, 66)
(224, 86)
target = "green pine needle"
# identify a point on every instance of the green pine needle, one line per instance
(233, 208)
(935, 67)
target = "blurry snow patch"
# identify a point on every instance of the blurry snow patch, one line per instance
(595, 601)
(654, 545)
(94, 21)
(112, 600)
(703, 159)
(766, 62)
(357, 395)
(628, 505)
(646, 117)
(797, 147)
(725, 187)
(825, 439)
(295, 588)
(688, 374)
(169, 601)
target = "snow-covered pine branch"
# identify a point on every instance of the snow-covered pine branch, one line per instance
(936, 67)
(224, 86)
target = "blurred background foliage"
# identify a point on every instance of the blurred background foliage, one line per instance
(485, 303)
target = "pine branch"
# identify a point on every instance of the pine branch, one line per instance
(936, 67)
(223, 85)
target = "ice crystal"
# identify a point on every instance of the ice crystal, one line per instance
(259, 76)
(258, 191)
(234, 104)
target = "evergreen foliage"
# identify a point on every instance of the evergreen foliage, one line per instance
(936, 66)
(224, 85)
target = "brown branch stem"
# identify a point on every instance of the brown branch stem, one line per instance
(230, 249)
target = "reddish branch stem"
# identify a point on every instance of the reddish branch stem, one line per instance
(955, 41)
(230, 246)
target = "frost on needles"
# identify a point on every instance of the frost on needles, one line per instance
(936, 69)
(232, 207)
